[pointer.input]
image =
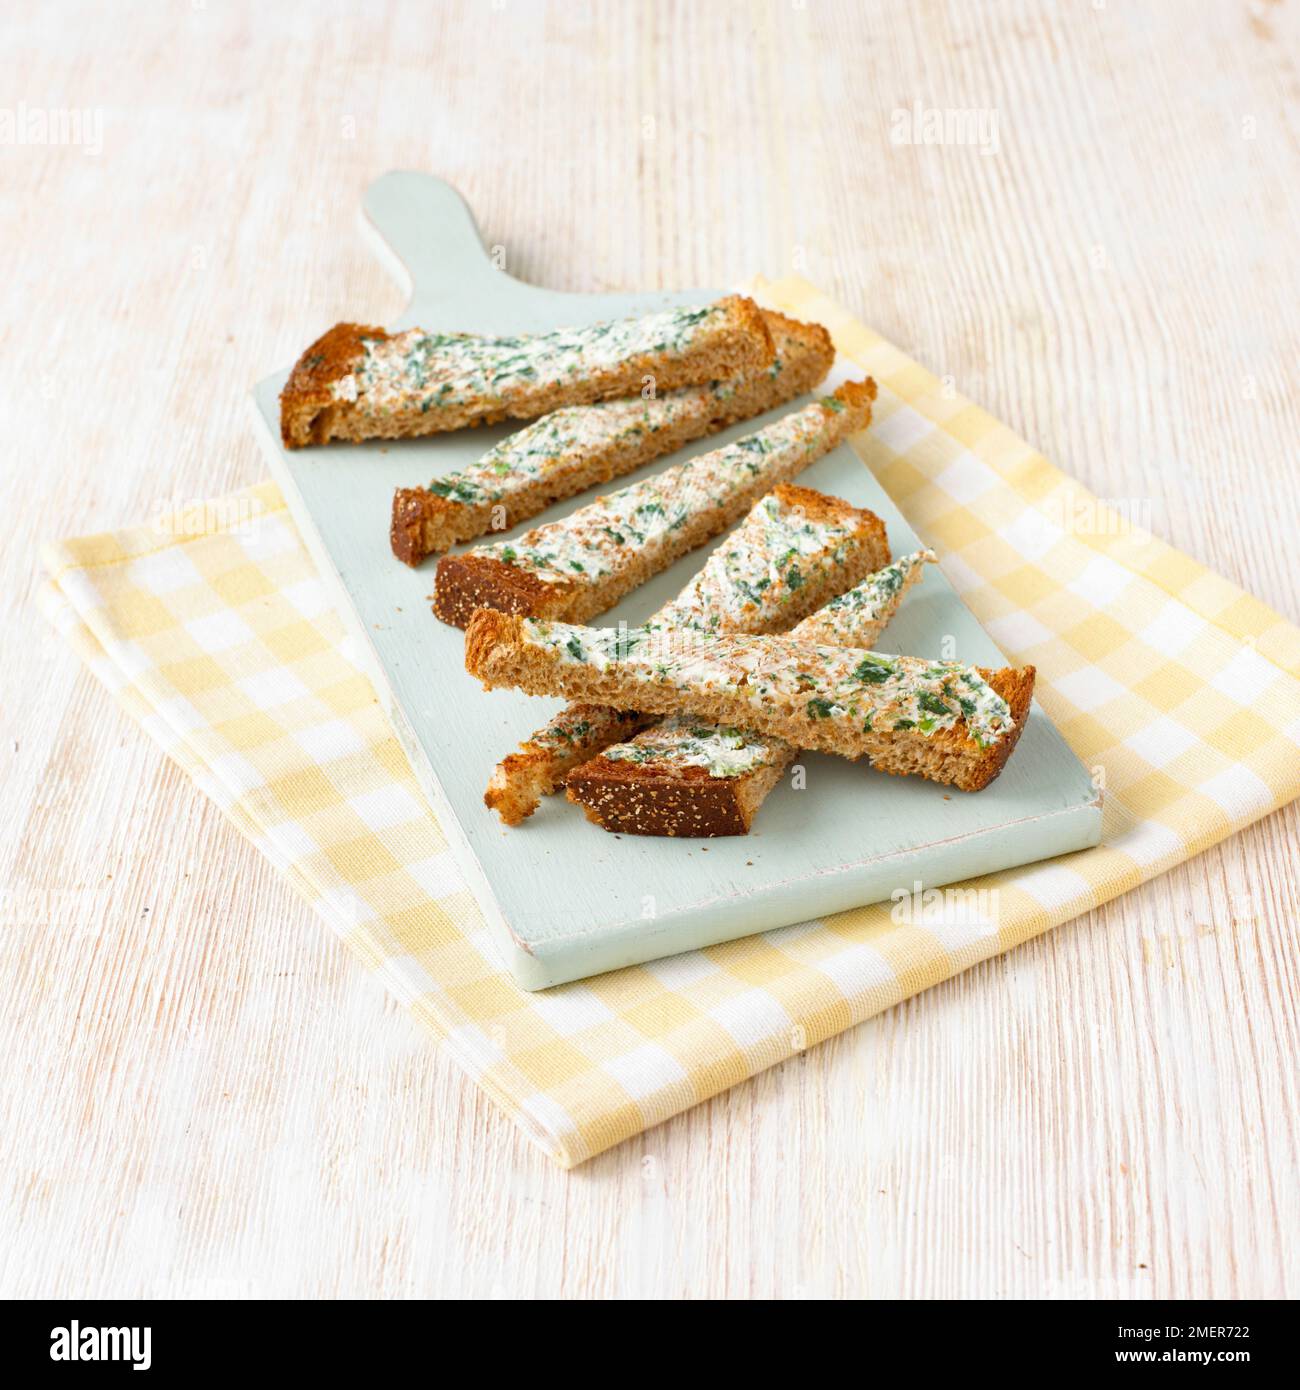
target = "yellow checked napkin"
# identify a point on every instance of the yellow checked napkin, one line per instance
(214, 630)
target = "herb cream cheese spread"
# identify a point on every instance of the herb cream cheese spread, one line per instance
(599, 538)
(744, 584)
(567, 438)
(759, 569)
(682, 741)
(427, 371)
(881, 693)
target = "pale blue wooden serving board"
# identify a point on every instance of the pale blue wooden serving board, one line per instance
(565, 899)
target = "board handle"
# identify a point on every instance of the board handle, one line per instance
(427, 229)
(424, 232)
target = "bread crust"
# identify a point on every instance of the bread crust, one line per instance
(813, 337)
(308, 408)
(416, 522)
(824, 507)
(496, 652)
(1016, 686)
(750, 320)
(310, 413)
(637, 799)
(469, 581)
(857, 395)
(424, 522)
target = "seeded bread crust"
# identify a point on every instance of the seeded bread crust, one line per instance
(469, 581)
(496, 652)
(310, 413)
(424, 523)
(538, 769)
(629, 799)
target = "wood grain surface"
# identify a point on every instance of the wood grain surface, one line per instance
(203, 1093)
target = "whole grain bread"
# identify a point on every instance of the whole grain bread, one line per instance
(840, 544)
(631, 798)
(758, 683)
(663, 780)
(357, 382)
(651, 523)
(582, 446)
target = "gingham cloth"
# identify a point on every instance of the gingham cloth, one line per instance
(216, 633)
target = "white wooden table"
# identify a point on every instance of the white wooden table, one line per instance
(1108, 1112)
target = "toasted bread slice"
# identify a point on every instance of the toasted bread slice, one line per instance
(363, 383)
(686, 777)
(941, 720)
(540, 764)
(794, 548)
(680, 778)
(580, 446)
(578, 567)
